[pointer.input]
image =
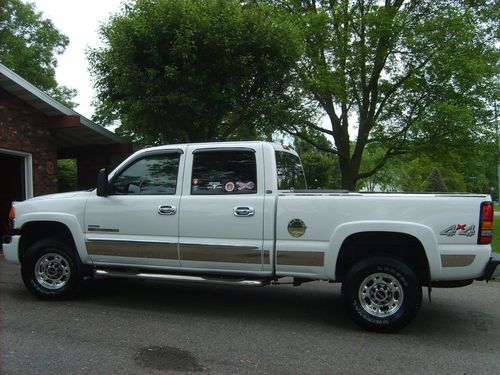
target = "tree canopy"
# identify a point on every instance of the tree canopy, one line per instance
(29, 44)
(435, 182)
(193, 70)
(412, 78)
(468, 167)
(401, 73)
(321, 169)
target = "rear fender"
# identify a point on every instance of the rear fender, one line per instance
(421, 232)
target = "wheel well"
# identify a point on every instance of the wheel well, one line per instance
(396, 245)
(37, 230)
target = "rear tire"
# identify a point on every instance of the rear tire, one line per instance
(381, 294)
(51, 270)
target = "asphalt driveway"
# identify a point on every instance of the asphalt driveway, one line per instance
(138, 327)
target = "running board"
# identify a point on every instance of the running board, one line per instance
(183, 278)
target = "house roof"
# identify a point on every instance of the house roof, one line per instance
(71, 129)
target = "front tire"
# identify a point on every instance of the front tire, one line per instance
(381, 294)
(50, 270)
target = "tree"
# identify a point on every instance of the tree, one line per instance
(387, 178)
(466, 167)
(29, 44)
(67, 179)
(188, 70)
(405, 72)
(321, 169)
(435, 182)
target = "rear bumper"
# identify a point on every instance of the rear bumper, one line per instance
(492, 269)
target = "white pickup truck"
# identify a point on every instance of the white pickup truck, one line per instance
(239, 213)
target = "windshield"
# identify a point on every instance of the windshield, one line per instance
(290, 172)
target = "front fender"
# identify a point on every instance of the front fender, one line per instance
(70, 221)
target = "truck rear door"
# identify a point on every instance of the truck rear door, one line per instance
(221, 219)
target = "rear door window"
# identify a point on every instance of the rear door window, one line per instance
(224, 172)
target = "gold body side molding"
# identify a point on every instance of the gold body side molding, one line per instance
(220, 253)
(457, 260)
(133, 249)
(301, 258)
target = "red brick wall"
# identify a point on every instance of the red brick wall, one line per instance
(24, 129)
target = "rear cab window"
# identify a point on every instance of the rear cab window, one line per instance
(290, 172)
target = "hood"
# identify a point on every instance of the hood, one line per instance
(68, 195)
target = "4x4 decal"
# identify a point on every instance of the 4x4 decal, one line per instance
(460, 229)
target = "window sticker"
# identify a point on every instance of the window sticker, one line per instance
(214, 185)
(242, 186)
(229, 186)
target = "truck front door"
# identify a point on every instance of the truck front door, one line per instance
(138, 223)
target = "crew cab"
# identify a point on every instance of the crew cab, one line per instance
(239, 213)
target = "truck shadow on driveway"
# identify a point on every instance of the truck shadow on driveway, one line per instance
(316, 302)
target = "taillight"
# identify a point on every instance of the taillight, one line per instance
(12, 217)
(486, 223)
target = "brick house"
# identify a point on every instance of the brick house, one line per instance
(35, 132)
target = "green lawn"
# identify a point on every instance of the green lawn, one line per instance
(496, 235)
(496, 230)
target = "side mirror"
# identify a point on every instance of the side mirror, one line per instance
(134, 189)
(102, 183)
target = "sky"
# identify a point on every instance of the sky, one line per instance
(79, 20)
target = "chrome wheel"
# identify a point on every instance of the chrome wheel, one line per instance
(381, 295)
(52, 271)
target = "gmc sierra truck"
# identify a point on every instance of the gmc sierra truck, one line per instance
(240, 213)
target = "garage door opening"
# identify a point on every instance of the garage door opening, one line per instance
(15, 169)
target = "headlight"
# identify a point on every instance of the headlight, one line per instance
(12, 218)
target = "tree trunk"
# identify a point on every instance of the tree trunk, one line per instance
(348, 174)
(349, 166)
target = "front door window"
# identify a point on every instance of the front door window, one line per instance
(155, 174)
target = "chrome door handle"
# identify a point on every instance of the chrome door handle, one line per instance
(243, 211)
(166, 209)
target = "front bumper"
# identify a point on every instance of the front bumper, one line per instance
(492, 269)
(10, 248)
